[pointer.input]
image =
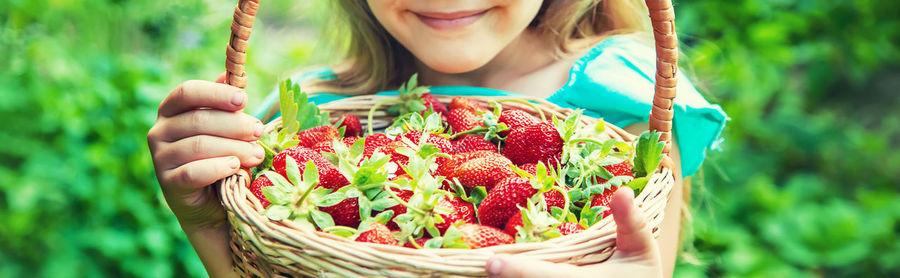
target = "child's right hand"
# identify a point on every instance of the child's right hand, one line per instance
(202, 135)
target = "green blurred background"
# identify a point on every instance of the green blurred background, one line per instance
(806, 184)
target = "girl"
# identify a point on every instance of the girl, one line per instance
(587, 54)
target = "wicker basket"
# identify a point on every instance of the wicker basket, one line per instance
(267, 248)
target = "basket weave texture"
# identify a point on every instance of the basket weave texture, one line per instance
(265, 248)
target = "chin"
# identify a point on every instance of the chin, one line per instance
(456, 62)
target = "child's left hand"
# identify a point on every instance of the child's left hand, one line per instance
(637, 253)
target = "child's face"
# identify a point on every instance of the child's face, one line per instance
(455, 36)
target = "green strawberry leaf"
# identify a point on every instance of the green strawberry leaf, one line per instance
(384, 216)
(384, 203)
(435, 242)
(276, 195)
(638, 184)
(293, 171)
(304, 223)
(277, 212)
(340, 231)
(323, 220)
(648, 153)
(590, 215)
(331, 199)
(365, 207)
(478, 194)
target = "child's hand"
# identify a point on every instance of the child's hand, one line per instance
(201, 135)
(637, 253)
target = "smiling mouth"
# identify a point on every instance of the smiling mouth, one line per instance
(449, 21)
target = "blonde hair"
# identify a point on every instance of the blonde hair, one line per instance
(374, 61)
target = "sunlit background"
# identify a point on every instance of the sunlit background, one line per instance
(806, 183)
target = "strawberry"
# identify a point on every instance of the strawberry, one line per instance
(569, 228)
(434, 104)
(349, 141)
(484, 171)
(351, 125)
(256, 188)
(515, 119)
(619, 169)
(374, 142)
(345, 213)
(530, 168)
(539, 142)
(378, 233)
(329, 176)
(419, 241)
(603, 200)
(324, 147)
(480, 236)
(514, 221)
(457, 159)
(464, 120)
(399, 208)
(471, 143)
(460, 102)
(503, 201)
(443, 144)
(460, 211)
(310, 137)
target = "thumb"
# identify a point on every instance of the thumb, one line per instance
(632, 233)
(221, 78)
(507, 266)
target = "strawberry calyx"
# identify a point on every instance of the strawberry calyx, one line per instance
(298, 197)
(538, 224)
(491, 126)
(430, 122)
(297, 114)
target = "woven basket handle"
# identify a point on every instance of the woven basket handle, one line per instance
(662, 15)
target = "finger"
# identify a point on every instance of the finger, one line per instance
(221, 78)
(196, 93)
(507, 266)
(203, 172)
(632, 232)
(232, 125)
(203, 147)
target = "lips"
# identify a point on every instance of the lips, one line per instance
(449, 21)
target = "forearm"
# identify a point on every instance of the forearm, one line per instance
(211, 245)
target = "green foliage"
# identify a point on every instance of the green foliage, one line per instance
(806, 184)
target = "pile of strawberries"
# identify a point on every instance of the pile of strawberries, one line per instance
(463, 176)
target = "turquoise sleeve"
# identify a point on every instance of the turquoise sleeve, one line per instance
(615, 82)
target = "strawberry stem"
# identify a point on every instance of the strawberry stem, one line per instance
(415, 244)
(525, 102)
(401, 201)
(375, 108)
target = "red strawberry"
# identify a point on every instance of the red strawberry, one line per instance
(514, 221)
(324, 147)
(379, 233)
(329, 176)
(464, 120)
(619, 169)
(479, 236)
(457, 159)
(374, 142)
(516, 119)
(351, 125)
(534, 143)
(349, 141)
(461, 211)
(310, 137)
(434, 104)
(569, 228)
(530, 168)
(504, 200)
(399, 208)
(345, 213)
(604, 199)
(256, 188)
(460, 102)
(471, 143)
(420, 242)
(485, 171)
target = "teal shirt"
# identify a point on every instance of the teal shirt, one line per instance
(613, 81)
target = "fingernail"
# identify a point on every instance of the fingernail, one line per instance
(259, 130)
(495, 266)
(238, 98)
(260, 152)
(234, 163)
